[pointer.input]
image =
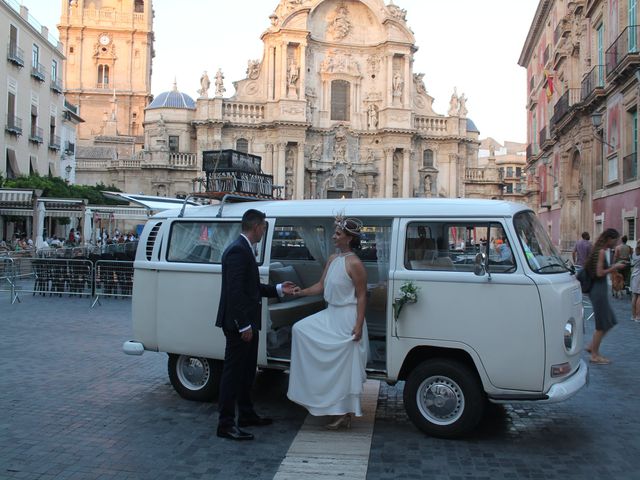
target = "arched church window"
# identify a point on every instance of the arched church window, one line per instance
(242, 145)
(340, 96)
(138, 6)
(103, 76)
(427, 159)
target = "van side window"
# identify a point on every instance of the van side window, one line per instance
(447, 246)
(295, 242)
(201, 242)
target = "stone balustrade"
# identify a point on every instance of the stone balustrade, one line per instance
(183, 159)
(482, 175)
(434, 125)
(240, 112)
(91, 164)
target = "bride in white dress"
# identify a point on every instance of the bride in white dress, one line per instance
(329, 349)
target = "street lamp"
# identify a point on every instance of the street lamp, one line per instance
(596, 121)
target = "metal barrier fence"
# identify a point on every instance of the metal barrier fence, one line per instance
(93, 277)
(7, 277)
(112, 278)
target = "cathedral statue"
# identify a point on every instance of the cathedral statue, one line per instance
(204, 85)
(453, 104)
(293, 72)
(463, 106)
(372, 114)
(219, 83)
(397, 84)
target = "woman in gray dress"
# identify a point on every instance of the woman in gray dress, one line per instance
(598, 267)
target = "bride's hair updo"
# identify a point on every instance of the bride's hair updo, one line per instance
(352, 227)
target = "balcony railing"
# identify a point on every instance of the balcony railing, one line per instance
(630, 167)
(624, 46)
(543, 136)
(592, 81)
(103, 85)
(69, 148)
(70, 106)
(37, 72)
(54, 142)
(56, 86)
(564, 104)
(529, 152)
(14, 125)
(36, 135)
(15, 55)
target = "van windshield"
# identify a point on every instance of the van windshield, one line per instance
(541, 255)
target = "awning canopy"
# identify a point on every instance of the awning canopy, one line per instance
(15, 197)
(150, 202)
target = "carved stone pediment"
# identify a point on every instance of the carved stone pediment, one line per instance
(339, 25)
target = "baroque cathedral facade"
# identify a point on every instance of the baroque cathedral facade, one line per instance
(333, 108)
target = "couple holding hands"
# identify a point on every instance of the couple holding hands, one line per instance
(328, 354)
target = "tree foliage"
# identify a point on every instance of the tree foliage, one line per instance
(56, 187)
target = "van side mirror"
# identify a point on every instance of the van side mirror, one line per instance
(479, 267)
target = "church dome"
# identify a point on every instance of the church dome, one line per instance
(471, 127)
(173, 99)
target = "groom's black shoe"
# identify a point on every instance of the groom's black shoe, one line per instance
(234, 433)
(254, 421)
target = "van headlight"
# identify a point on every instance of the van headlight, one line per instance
(569, 335)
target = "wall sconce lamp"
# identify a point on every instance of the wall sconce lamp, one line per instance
(596, 121)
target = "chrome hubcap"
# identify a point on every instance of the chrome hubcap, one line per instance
(440, 400)
(193, 372)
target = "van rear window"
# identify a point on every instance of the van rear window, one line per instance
(201, 242)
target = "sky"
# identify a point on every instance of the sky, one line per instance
(468, 44)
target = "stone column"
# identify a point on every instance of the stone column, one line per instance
(408, 83)
(388, 174)
(281, 165)
(299, 172)
(314, 184)
(389, 80)
(284, 87)
(406, 173)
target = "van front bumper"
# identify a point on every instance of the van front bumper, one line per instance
(569, 387)
(133, 348)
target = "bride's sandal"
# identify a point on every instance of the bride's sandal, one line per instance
(343, 421)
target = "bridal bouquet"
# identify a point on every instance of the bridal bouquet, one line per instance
(408, 294)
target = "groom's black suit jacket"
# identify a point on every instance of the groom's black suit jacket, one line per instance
(241, 292)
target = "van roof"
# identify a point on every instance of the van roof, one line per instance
(375, 207)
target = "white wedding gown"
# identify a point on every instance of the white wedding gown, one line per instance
(327, 367)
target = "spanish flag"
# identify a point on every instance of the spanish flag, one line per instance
(549, 83)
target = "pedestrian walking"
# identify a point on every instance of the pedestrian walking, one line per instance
(635, 285)
(581, 249)
(598, 268)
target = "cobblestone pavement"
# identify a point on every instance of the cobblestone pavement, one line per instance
(73, 406)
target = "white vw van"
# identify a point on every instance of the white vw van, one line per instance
(498, 315)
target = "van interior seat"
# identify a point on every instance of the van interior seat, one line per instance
(288, 310)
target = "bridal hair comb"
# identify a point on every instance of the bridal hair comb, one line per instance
(350, 225)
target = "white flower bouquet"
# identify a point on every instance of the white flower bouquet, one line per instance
(408, 294)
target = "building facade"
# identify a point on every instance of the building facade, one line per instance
(109, 50)
(333, 108)
(583, 62)
(31, 96)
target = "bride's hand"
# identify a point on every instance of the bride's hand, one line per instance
(357, 334)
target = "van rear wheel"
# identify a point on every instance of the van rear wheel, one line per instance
(195, 378)
(444, 398)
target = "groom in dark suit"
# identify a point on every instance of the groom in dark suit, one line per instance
(239, 316)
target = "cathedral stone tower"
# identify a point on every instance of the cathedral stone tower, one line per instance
(109, 49)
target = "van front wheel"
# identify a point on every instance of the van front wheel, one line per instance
(195, 378)
(444, 398)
